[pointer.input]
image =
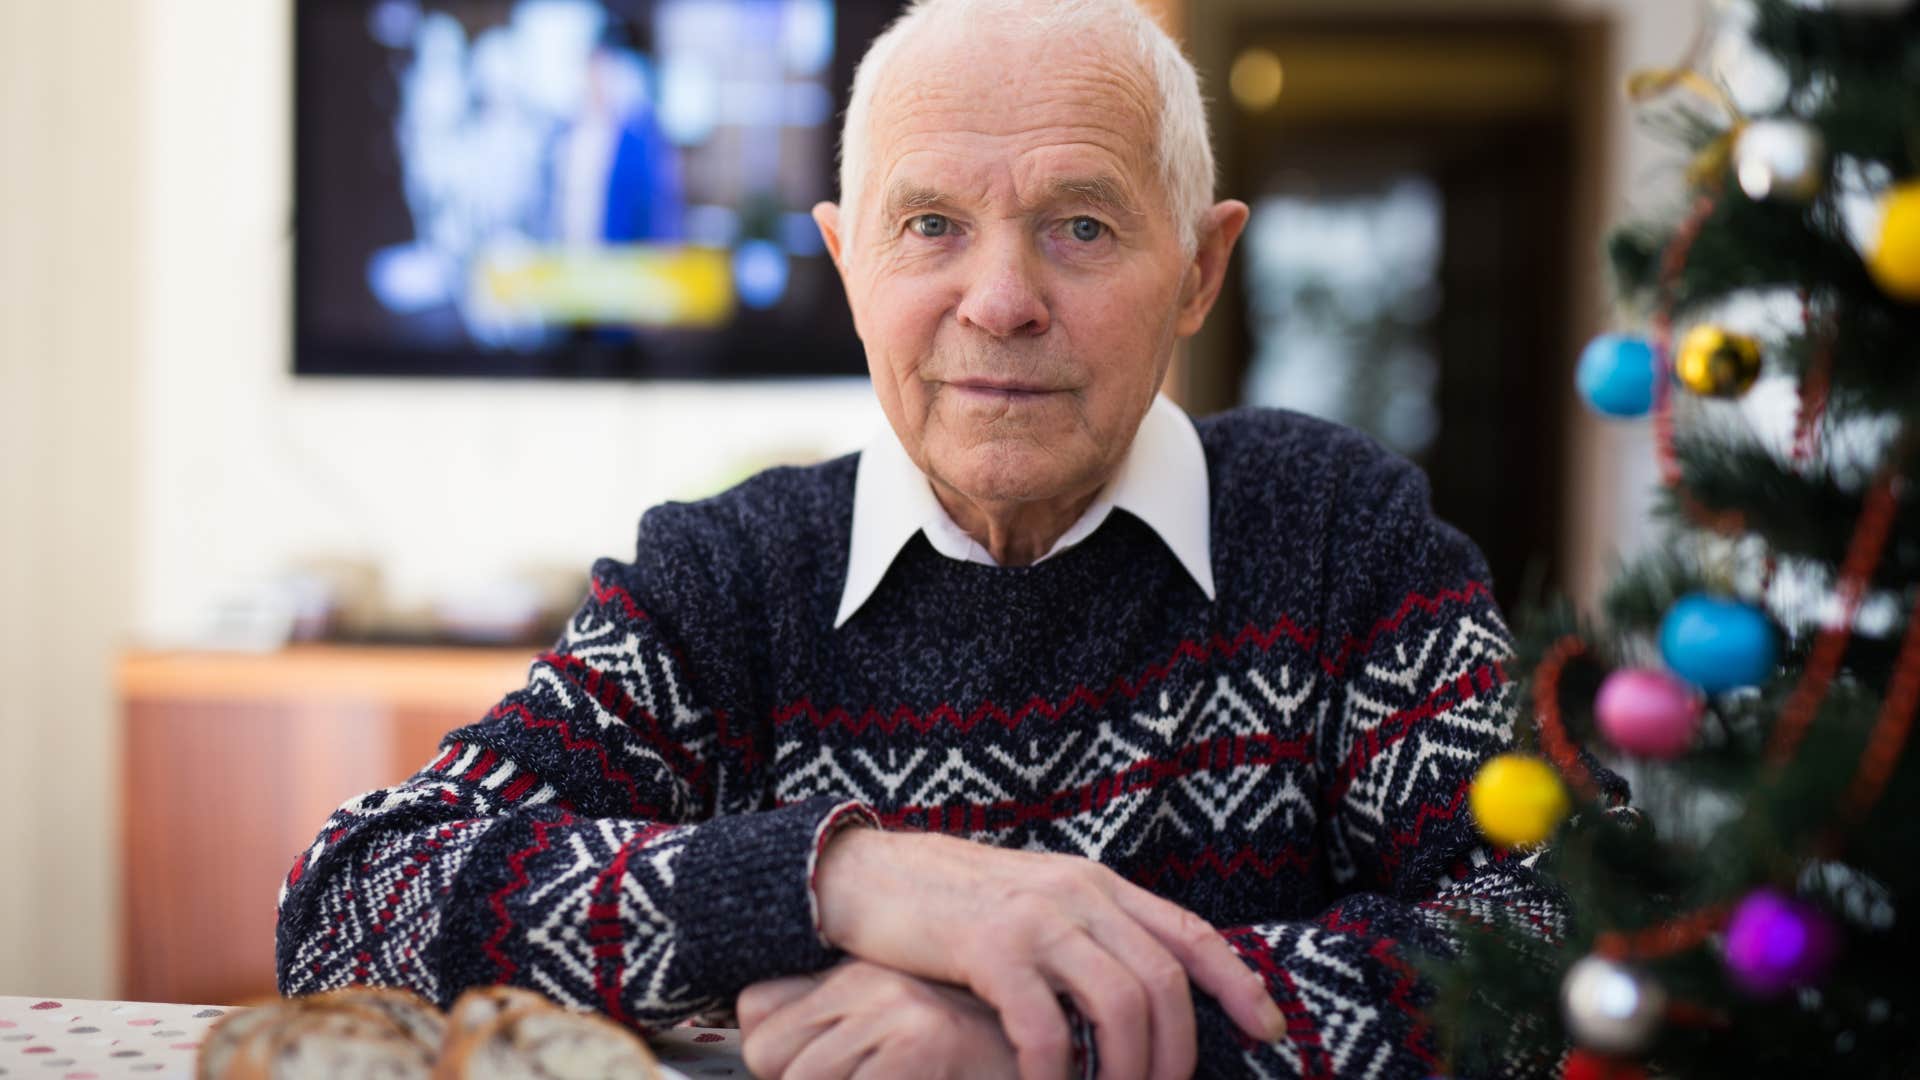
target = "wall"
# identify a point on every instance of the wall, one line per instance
(70, 278)
(1610, 475)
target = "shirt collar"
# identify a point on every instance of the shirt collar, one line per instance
(1162, 481)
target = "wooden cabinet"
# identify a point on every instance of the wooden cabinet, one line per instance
(231, 763)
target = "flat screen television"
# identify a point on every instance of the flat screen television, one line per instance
(570, 188)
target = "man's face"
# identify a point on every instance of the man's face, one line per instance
(1014, 271)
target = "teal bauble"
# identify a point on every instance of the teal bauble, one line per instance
(1616, 375)
(1718, 644)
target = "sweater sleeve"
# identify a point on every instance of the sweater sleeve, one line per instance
(1419, 697)
(604, 835)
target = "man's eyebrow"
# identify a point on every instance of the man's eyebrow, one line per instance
(905, 196)
(1101, 192)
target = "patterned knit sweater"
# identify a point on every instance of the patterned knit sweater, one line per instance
(635, 830)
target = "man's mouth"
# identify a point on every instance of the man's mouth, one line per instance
(1000, 389)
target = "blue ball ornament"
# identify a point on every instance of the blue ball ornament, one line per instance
(1718, 644)
(1616, 375)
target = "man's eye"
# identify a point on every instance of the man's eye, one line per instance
(1086, 229)
(930, 225)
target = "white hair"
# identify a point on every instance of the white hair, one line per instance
(1185, 157)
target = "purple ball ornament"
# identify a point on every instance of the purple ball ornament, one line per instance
(1775, 943)
(1647, 713)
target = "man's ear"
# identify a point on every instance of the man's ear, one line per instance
(1200, 286)
(827, 216)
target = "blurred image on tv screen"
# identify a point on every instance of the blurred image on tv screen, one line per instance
(570, 187)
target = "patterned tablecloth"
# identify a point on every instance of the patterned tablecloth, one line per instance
(72, 1039)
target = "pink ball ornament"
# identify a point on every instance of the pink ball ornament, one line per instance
(1775, 943)
(1647, 713)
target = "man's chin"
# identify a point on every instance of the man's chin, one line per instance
(1008, 470)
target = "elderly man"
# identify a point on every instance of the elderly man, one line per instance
(1053, 726)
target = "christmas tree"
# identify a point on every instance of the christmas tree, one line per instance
(1756, 676)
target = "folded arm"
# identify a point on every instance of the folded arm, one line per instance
(603, 836)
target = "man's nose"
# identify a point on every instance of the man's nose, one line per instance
(1003, 297)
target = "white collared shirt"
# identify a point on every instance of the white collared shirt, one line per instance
(1162, 481)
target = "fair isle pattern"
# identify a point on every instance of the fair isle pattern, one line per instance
(1419, 712)
(384, 915)
(1350, 995)
(635, 831)
(576, 917)
(1208, 755)
(582, 924)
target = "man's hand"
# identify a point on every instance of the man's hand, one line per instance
(862, 1020)
(1018, 927)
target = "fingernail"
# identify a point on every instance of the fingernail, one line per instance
(1276, 1023)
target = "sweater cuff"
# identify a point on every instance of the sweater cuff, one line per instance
(744, 899)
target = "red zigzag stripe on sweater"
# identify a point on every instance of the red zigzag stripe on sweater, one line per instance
(517, 862)
(1350, 649)
(614, 698)
(1400, 841)
(1200, 652)
(604, 592)
(635, 807)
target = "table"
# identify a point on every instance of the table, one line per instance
(75, 1039)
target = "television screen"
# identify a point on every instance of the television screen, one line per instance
(611, 188)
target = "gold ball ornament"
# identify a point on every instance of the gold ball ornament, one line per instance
(1715, 363)
(1517, 800)
(1895, 258)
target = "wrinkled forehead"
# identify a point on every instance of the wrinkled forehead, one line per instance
(970, 104)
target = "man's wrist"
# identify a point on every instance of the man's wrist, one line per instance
(836, 881)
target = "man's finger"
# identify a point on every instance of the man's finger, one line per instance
(1031, 1019)
(769, 1049)
(1109, 995)
(837, 1052)
(1212, 963)
(1165, 980)
(763, 999)
(888, 1064)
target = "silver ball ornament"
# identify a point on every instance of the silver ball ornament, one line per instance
(1610, 1008)
(1780, 159)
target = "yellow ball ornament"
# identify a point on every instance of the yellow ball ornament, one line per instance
(1715, 363)
(1895, 258)
(1517, 800)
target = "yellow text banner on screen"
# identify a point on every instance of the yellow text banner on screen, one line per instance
(622, 285)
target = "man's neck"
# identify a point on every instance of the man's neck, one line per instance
(1015, 533)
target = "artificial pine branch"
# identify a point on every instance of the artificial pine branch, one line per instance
(1761, 799)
